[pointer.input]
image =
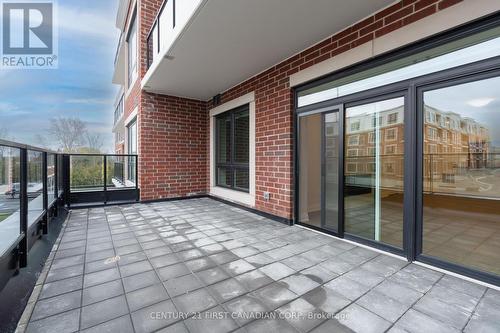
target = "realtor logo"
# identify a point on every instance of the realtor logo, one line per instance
(28, 34)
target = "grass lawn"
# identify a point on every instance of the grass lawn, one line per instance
(3, 216)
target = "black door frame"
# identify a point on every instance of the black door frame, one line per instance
(395, 90)
(413, 146)
(321, 111)
(420, 91)
(340, 114)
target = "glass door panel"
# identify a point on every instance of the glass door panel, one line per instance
(461, 174)
(374, 171)
(310, 169)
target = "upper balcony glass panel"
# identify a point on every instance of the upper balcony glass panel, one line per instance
(171, 19)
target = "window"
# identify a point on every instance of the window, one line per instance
(483, 45)
(393, 118)
(371, 137)
(119, 110)
(390, 150)
(355, 126)
(391, 134)
(352, 152)
(432, 134)
(475, 190)
(353, 140)
(389, 167)
(132, 150)
(376, 195)
(132, 51)
(232, 144)
(352, 167)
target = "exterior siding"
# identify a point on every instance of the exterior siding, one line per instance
(174, 132)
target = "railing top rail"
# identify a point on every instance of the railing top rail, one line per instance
(13, 144)
(155, 21)
(101, 155)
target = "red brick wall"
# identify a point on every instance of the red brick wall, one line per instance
(173, 132)
(173, 147)
(274, 98)
(173, 137)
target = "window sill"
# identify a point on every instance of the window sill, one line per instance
(236, 196)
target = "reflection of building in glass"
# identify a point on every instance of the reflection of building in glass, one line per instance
(371, 139)
(452, 145)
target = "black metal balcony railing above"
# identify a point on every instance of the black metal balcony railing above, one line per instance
(35, 183)
(156, 32)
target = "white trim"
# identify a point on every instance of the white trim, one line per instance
(131, 117)
(443, 20)
(247, 199)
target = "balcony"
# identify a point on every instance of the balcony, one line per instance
(230, 32)
(36, 185)
(199, 265)
(119, 110)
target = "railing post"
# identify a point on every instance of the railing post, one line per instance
(137, 177)
(66, 180)
(56, 184)
(105, 163)
(45, 220)
(23, 211)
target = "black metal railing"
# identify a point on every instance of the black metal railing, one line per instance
(35, 183)
(155, 32)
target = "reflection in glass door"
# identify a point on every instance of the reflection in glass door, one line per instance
(319, 170)
(374, 171)
(461, 174)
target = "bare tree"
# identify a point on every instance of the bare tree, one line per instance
(41, 141)
(95, 141)
(68, 132)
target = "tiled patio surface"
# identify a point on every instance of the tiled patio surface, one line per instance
(148, 267)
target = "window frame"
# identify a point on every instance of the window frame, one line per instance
(232, 165)
(132, 72)
(131, 172)
(414, 115)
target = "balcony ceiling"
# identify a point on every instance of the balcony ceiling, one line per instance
(227, 42)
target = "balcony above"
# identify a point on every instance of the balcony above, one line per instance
(217, 44)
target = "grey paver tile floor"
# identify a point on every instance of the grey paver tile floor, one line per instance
(199, 265)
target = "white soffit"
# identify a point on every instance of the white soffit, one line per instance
(228, 42)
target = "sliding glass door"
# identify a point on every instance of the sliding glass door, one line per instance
(461, 172)
(404, 155)
(331, 168)
(374, 170)
(319, 165)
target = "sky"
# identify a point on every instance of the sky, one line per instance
(479, 100)
(81, 86)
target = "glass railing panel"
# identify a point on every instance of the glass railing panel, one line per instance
(116, 176)
(51, 178)
(86, 173)
(9, 196)
(35, 185)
